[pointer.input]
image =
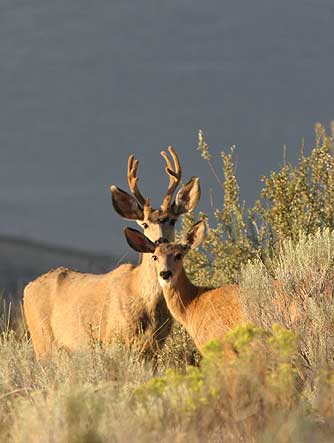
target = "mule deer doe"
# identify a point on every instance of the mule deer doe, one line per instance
(206, 313)
(66, 309)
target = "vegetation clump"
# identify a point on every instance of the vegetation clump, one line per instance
(305, 272)
(272, 379)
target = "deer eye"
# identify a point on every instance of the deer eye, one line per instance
(178, 256)
(145, 225)
(172, 222)
(154, 258)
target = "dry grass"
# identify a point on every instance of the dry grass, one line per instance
(279, 388)
(113, 395)
(306, 273)
(86, 397)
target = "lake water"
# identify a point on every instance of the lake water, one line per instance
(83, 84)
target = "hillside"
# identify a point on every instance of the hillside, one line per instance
(22, 260)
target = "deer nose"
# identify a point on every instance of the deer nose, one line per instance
(165, 274)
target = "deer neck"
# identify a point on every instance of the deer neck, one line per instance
(179, 298)
(147, 283)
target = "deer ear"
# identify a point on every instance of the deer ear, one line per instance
(125, 204)
(196, 234)
(138, 241)
(187, 197)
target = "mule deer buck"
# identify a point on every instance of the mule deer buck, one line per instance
(206, 313)
(66, 309)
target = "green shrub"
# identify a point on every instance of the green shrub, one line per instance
(178, 351)
(299, 199)
(230, 242)
(240, 398)
(295, 199)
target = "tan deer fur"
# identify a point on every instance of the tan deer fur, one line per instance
(68, 309)
(206, 313)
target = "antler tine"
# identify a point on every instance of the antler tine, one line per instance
(174, 173)
(133, 179)
(167, 160)
(176, 161)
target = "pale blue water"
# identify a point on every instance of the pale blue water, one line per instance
(83, 84)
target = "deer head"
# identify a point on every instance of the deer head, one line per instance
(158, 224)
(167, 257)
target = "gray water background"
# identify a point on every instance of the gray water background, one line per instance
(83, 84)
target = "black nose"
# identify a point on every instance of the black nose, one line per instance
(165, 274)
